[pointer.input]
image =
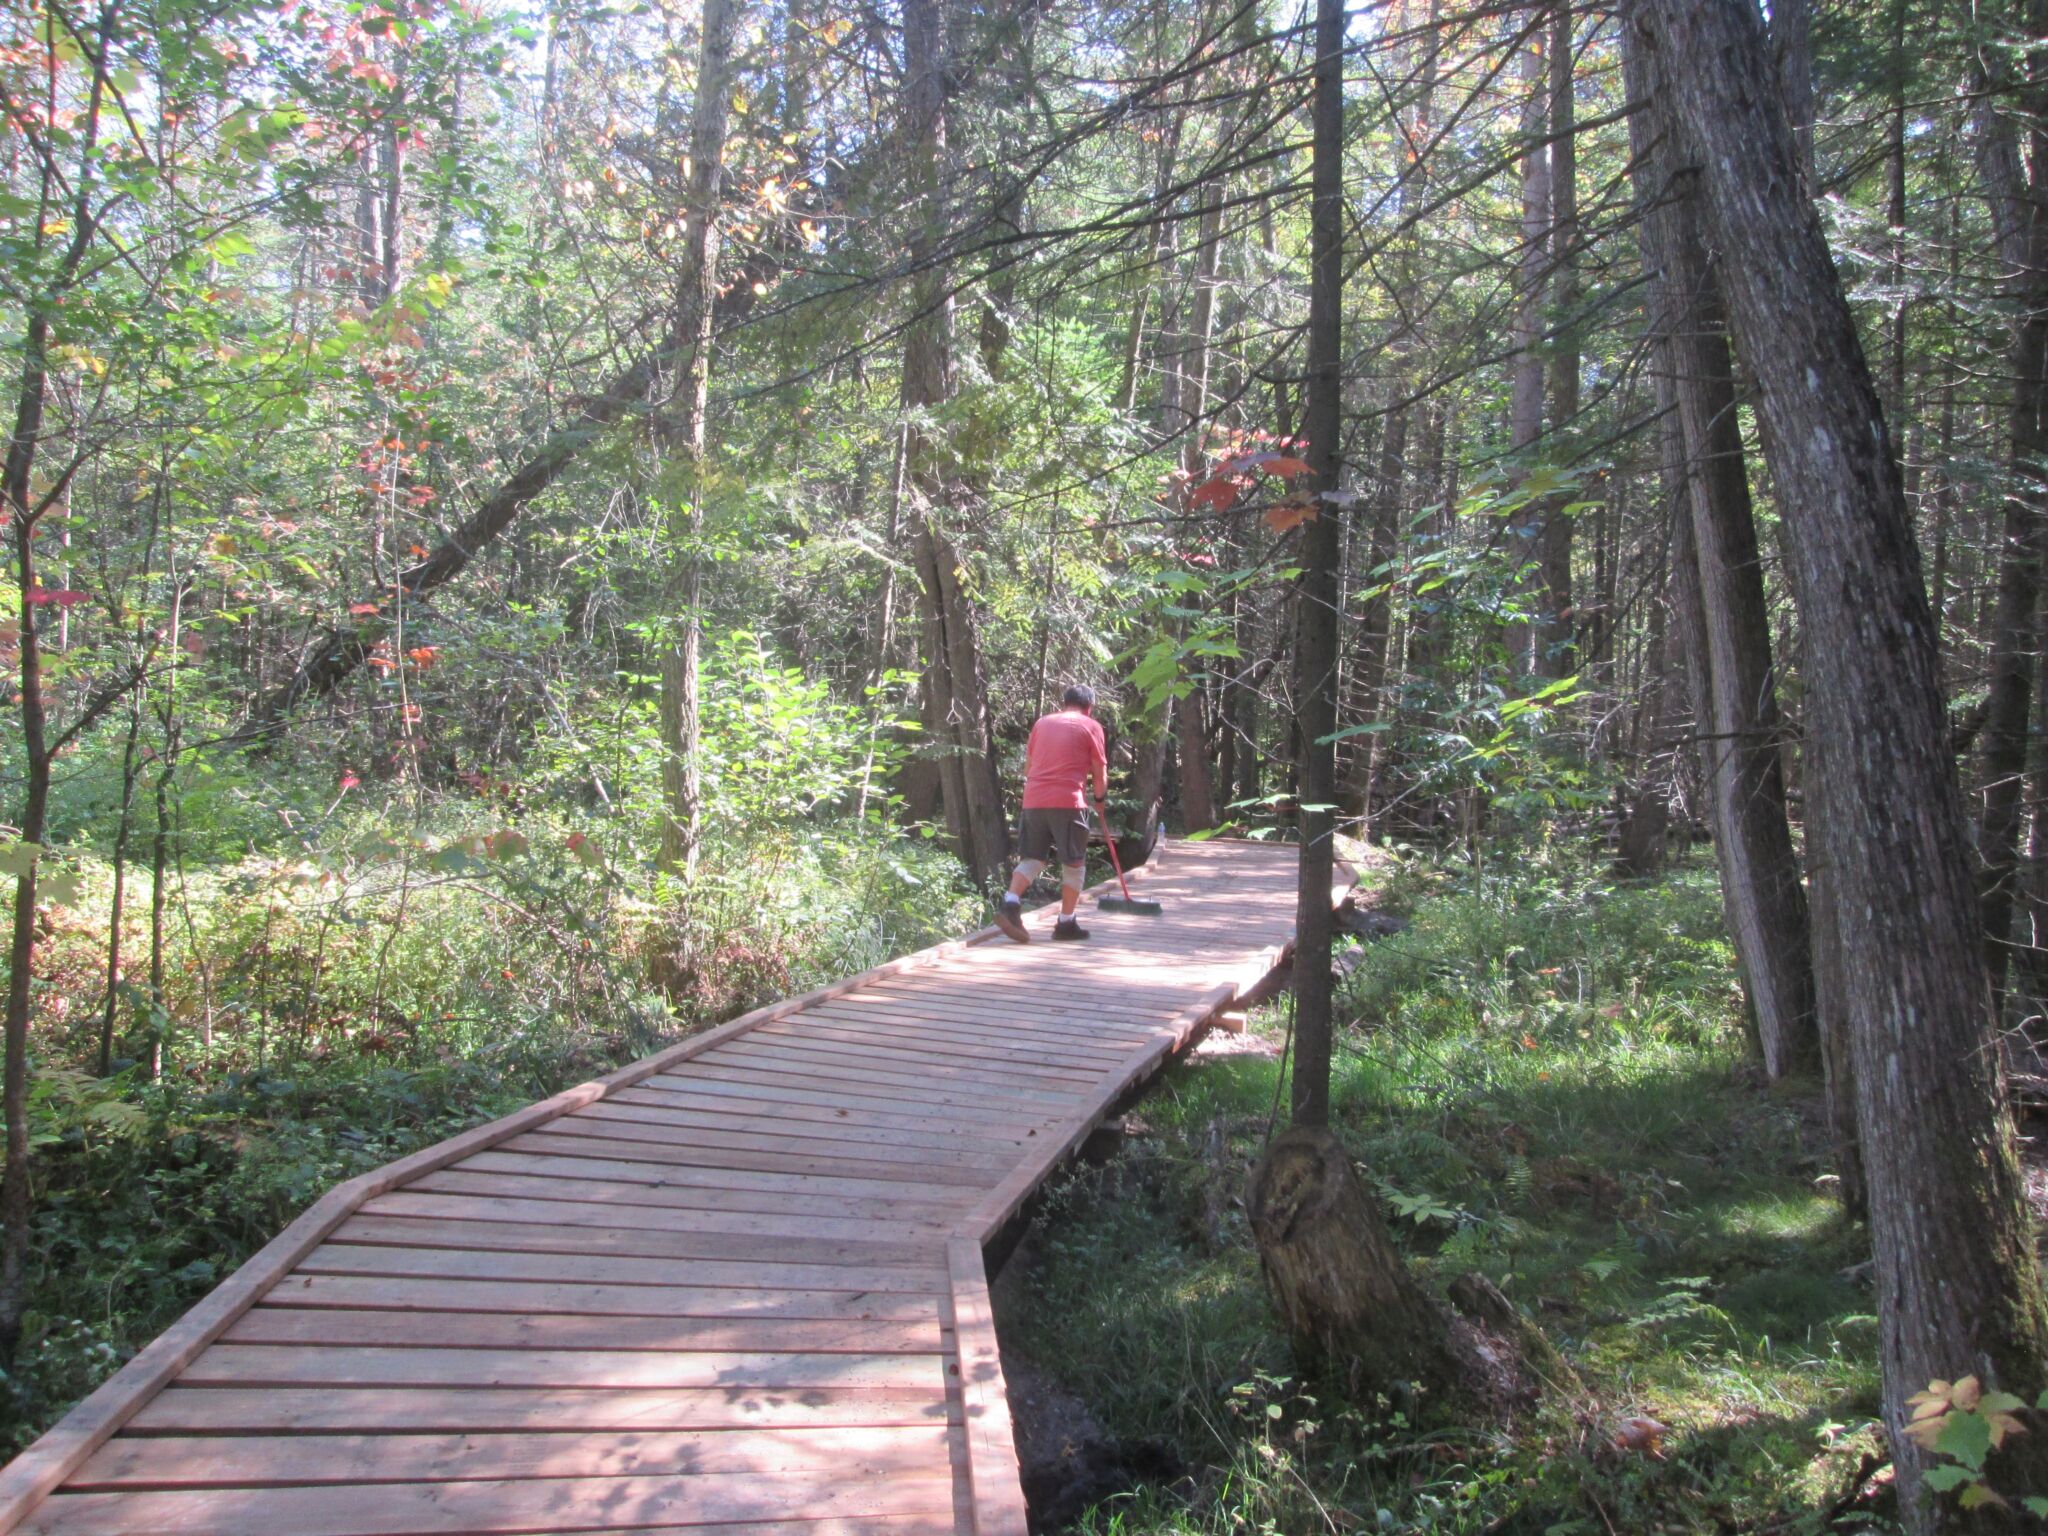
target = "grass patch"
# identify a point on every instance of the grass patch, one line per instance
(1546, 1078)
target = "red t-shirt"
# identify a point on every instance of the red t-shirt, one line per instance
(1060, 759)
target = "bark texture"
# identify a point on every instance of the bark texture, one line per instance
(681, 434)
(1724, 615)
(2012, 187)
(1958, 1284)
(1353, 1312)
(1316, 649)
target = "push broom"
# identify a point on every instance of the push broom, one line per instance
(1137, 905)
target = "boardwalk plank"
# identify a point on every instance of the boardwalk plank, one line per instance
(259, 1461)
(266, 1365)
(732, 1306)
(707, 1190)
(408, 1225)
(516, 1506)
(590, 1198)
(575, 1265)
(231, 1411)
(905, 1076)
(460, 1330)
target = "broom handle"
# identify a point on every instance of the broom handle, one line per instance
(1115, 863)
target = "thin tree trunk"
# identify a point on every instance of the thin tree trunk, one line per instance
(681, 433)
(115, 907)
(1525, 394)
(24, 510)
(1555, 652)
(1316, 649)
(1958, 1284)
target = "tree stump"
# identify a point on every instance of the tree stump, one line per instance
(1353, 1311)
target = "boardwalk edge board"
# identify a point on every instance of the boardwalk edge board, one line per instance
(993, 1488)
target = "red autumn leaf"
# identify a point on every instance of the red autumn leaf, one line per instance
(1218, 493)
(586, 851)
(63, 597)
(361, 610)
(1282, 465)
(349, 779)
(1283, 515)
(423, 656)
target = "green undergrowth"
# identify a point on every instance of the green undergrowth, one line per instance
(371, 991)
(1546, 1079)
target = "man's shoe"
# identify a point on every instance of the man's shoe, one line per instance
(1010, 918)
(1069, 928)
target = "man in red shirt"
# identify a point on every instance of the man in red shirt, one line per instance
(1064, 752)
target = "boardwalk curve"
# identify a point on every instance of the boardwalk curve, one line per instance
(737, 1286)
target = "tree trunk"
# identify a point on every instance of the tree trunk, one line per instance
(2020, 217)
(1555, 653)
(1375, 629)
(952, 657)
(1353, 1312)
(681, 434)
(1315, 645)
(1525, 394)
(1958, 1284)
(1728, 657)
(111, 1009)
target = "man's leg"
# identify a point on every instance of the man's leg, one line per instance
(1010, 908)
(1073, 852)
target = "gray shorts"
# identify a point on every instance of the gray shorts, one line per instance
(1059, 833)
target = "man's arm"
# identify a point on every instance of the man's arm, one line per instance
(1101, 771)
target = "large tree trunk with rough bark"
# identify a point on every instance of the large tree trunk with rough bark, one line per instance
(1728, 637)
(1958, 1284)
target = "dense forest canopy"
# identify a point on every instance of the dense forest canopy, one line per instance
(535, 528)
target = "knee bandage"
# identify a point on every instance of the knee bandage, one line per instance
(1071, 876)
(1030, 869)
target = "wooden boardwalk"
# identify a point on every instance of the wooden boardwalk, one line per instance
(737, 1286)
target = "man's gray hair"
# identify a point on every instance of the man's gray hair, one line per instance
(1079, 693)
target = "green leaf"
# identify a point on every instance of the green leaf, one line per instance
(18, 859)
(1999, 1402)
(1967, 1438)
(1945, 1479)
(63, 886)
(459, 857)
(2035, 1504)
(1355, 730)
(1977, 1496)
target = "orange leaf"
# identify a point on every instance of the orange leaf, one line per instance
(1642, 1435)
(1286, 468)
(1218, 493)
(1283, 515)
(361, 610)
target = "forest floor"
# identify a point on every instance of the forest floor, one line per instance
(1545, 1074)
